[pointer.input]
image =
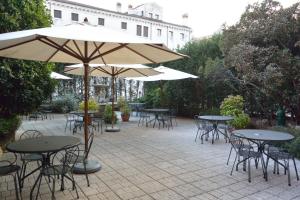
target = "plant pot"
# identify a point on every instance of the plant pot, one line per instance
(125, 117)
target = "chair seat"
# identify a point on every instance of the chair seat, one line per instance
(32, 157)
(280, 155)
(56, 170)
(249, 154)
(5, 170)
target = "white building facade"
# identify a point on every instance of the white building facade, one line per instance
(142, 21)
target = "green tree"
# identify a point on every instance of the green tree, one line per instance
(192, 96)
(23, 84)
(260, 49)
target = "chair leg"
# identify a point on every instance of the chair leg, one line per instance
(229, 155)
(288, 171)
(233, 164)
(249, 171)
(74, 185)
(197, 134)
(53, 189)
(16, 186)
(86, 175)
(296, 169)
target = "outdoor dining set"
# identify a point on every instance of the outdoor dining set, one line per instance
(57, 158)
(248, 144)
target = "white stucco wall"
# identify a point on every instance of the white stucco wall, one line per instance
(113, 21)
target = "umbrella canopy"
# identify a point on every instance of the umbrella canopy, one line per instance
(55, 75)
(115, 70)
(166, 74)
(82, 43)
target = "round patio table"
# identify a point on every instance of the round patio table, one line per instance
(260, 137)
(157, 112)
(45, 146)
(215, 120)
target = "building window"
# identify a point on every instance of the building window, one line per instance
(182, 36)
(139, 30)
(146, 31)
(124, 25)
(150, 15)
(158, 32)
(74, 17)
(142, 13)
(57, 13)
(171, 35)
(157, 16)
(101, 21)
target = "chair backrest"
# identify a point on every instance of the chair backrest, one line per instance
(70, 157)
(30, 134)
(201, 124)
(7, 159)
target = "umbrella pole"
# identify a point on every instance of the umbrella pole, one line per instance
(112, 101)
(88, 166)
(86, 104)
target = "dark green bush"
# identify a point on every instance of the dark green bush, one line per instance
(8, 127)
(65, 103)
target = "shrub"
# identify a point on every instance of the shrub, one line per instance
(123, 105)
(92, 105)
(108, 115)
(8, 127)
(233, 106)
(65, 103)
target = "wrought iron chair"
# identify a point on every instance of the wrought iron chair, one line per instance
(247, 153)
(202, 126)
(172, 116)
(165, 120)
(144, 117)
(29, 157)
(8, 167)
(97, 121)
(70, 119)
(67, 157)
(278, 154)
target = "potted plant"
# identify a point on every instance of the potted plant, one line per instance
(124, 108)
(107, 115)
(125, 113)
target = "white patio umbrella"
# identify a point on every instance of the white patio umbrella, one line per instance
(82, 43)
(58, 76)
(114, 71)
(166, 75)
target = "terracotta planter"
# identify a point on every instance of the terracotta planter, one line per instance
(125, 118)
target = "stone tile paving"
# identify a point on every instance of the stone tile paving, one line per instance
(144, 163)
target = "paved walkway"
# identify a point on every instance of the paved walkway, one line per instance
(146, 163)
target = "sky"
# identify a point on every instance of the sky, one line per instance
(205, 16)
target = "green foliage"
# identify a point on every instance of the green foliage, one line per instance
(24, 85)
(262, 52)
(233, 106)
(92, 105)
(124, 107)
(9, 124)
(65, 104)
(108, 115)
(293, 146)
(193, 96)
(152, 98)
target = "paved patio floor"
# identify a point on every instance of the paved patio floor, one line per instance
(144, 163)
